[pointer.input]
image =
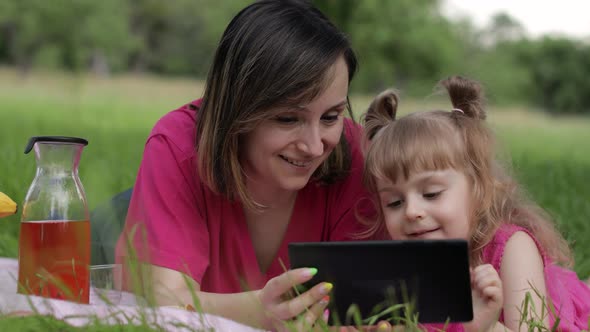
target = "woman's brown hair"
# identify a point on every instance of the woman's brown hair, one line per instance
(457, 138)
(273, 54)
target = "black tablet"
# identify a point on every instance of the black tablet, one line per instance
(430, 277)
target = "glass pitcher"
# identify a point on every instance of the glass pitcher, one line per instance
(54, 243)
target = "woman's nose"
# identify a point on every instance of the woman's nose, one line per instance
(310, 141)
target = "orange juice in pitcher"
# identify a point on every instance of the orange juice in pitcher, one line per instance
(54, 242)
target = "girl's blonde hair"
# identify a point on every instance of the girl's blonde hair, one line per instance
(461, 140)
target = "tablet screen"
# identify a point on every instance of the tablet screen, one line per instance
(429, 278)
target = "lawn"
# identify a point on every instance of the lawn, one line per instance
(549, 155)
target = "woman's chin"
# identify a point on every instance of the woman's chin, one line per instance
(294, 184)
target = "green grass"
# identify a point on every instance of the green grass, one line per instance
(41, 323)
(549, 155)
(114, 115)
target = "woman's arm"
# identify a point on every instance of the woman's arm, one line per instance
(522, 271)
(175, 288)
(266, 308)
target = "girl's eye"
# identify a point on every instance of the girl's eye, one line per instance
(432, 195)
(395, 204)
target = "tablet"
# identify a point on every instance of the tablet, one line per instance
(430, 277)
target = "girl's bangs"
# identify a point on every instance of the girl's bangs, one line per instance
(414, 145)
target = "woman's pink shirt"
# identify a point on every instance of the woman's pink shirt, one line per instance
(175, 221)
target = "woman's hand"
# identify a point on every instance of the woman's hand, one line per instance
(486, 291)
(300, 312)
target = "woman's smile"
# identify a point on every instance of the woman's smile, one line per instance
(297, 163)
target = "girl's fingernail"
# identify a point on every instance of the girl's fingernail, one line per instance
(326, 288)
(325, 299)
(310, 272)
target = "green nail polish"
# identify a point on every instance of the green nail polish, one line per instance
(312, 271)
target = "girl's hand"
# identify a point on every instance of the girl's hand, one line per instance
(300, 313)
(486, 292)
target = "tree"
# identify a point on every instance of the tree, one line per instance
(178, 37)
(559, 69)
(403, 43)
(503, 28)
(78, 30)
(339, 11)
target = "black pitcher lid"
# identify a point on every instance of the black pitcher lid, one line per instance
(58, 139)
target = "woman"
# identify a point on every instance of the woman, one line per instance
(265, 158)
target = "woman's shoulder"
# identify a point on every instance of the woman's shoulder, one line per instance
(353, 132)
(354, 135)
(179, 126)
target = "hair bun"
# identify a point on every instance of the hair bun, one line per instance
(381, 112)
(466, 95)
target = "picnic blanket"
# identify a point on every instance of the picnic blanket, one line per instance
(127, 311)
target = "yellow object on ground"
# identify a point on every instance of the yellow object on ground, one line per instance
(7, 205)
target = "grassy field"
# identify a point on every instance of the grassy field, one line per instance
(549, 155)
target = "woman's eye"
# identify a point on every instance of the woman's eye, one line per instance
(432, 195)
(286, 119)
(330, 118)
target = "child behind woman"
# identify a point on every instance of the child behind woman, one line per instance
(435, 176)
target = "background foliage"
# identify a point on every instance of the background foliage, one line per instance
(404, 43)
(108, 70)
(117, 114)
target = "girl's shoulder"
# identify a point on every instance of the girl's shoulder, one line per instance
(494, 250)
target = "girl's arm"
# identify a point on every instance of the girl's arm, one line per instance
(265, 308)
(522, 270)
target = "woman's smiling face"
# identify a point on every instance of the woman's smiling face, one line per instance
(282, 153)
(427, 205)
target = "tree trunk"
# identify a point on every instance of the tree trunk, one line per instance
(99, 65)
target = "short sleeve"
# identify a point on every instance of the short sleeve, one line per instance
(166, 222)
(494, 250)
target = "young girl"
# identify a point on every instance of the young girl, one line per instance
(436, 177)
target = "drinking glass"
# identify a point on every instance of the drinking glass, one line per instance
(104, 282)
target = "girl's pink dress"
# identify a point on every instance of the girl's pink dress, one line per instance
(569, 295)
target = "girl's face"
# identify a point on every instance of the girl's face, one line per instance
(427, 205)
(283, 153)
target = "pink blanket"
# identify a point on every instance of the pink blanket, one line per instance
(125, 312)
